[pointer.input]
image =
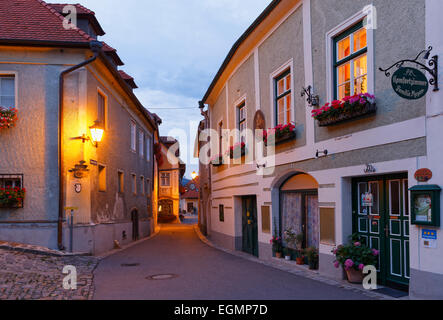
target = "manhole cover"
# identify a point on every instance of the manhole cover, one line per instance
(130, 264)
(162, 277)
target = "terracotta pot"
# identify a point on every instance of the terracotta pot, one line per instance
(300, 261)
(278, 255)
(354, 276)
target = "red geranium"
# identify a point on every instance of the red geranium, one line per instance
(8, 117)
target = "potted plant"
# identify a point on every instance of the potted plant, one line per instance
(348, 108)
(12, 197)
(353, 257)
(279, 134)
(8, 117)
(287, 254)
(312, 254)
(238, 150)
(299, 238)
(277, 246)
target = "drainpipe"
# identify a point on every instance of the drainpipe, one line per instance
(95, 47)
(205, 114)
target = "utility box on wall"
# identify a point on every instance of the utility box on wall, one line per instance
(425, 205)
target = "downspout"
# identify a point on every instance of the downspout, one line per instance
(205, 114)
(95, 47)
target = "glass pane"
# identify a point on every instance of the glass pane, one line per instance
(374, 191)
(280, 86)
(7, 102)
(394, 197)
(362, 189)
(344, 90)
(288, 82)
(360, 39)
(360, 66)
(361, 85)
(343, 48)
(344, 73)
(7, 87)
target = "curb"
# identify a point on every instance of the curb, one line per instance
(42, 251)
(313, 275)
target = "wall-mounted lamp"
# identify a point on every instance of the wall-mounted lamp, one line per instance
(324, 153)
(314, 101)
(96, 134)
(194, 175)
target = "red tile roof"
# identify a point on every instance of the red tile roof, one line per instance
(35, 20)
(129, 80)
(80, 9)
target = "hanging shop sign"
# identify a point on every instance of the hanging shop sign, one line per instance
(423, 175)
(425, 205)
(410, 83)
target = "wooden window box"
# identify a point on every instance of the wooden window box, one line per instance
(217, 162)
(279, 139)
(16, 205)
(368, 108)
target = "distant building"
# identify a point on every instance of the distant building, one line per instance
(171, 172)
(66, 87)
(189, 197)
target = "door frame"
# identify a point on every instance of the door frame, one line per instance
(383, 275)
(304, 193)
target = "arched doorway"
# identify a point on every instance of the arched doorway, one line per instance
(135, 227)
(299, 208)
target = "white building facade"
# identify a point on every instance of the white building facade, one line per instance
(316, 180)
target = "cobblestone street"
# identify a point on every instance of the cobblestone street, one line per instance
(39, 277)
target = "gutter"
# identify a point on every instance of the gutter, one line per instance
(96, 48)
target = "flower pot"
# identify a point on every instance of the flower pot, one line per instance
(313, 265)
(278, 255)
(300, 261)
(354, 276)
(366, 109)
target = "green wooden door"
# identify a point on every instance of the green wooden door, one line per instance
(249, 225)
(381, 218)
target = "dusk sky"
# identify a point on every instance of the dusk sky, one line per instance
(173, 49)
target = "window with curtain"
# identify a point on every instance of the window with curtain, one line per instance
(283, 102)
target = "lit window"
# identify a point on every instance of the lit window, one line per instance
(283, 102)
(133, 136)
(142, 185)
(148, 187)
(121, 185)
(134, 184)
(7, 91)
(101, 178)
(165, 179)
(351, 63)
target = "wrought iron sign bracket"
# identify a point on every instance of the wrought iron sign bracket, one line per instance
(432, 67)
(313, 101)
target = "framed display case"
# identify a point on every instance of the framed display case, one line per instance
(425, 205)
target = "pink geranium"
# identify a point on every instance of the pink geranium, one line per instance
(375, 252)
(349, 264)
(361, 266)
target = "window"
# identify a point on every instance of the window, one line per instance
(221, 213)
(148, 187)
(7, 91)
(190, 207)
(148, 148)
(141, 143)
(165, 179)
(101, 109)
(241, 125)
(101, 178)
(283, 102)
(134, 184)
(350, 62)
(142, 185)
(11, 180)
(220, 137)
(133, 136)
(121, 185)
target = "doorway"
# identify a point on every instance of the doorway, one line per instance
(249, 225)
(381, 219)
(135, 229)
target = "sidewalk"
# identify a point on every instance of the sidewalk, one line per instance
(302, 271)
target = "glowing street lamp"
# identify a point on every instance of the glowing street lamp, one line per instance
(194, 175)
(96, 133)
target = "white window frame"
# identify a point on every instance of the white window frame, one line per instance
(148, 145)
(133, 126)
(161, 179)
(15, 75)
(287, 65)
(342, 27)
(105, 96)
(237, 104)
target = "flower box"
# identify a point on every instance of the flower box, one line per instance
(12, 197)
(280, 134)
(8, 117)
(346, 109)
(17, 205)
(237, 151)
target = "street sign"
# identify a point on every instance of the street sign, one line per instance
(410, 83)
